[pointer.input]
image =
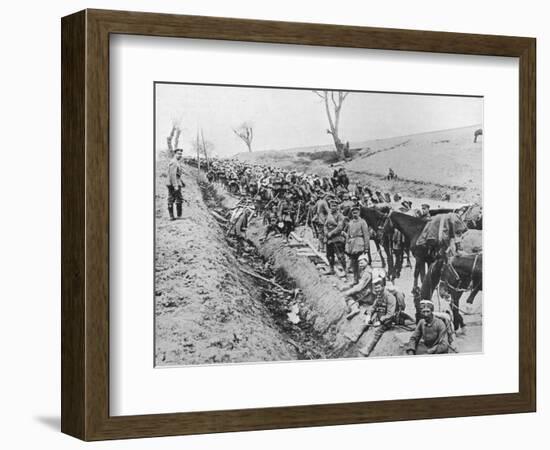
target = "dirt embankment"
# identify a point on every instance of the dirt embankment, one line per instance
(206, 311)
(324, 307)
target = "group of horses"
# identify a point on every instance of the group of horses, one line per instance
(459, 273)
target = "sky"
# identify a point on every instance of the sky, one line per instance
(290, 118)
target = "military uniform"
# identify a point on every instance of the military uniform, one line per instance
(384, 311)
(286, 216)
(357, 243)
(333, 230)
(434, 334)
(174, 185)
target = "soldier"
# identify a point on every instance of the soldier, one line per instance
(431, 329)
(360, 292)
(322, 212)
(343, 179)
(285, 213)
(382, 313)
(358, 241)
(174, 184)
(425, 211)
(335, 239)
(347, 203)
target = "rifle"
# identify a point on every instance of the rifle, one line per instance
(269, 202)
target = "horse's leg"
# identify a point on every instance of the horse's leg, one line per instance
(408, 254)
(398, 262)
(379, 250)
(416, 273)
(369, 256)
(389, 257)
(458, 320)
(422, 269)
(472, 295)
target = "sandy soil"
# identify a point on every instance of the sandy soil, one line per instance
(205, 309)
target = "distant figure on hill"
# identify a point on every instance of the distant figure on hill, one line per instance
(391, 174)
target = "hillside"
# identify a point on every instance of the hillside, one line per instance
(428, 164)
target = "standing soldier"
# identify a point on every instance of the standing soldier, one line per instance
(322, 212)
(343, 179)
(358, 241)
(174, 184)
(285, 213)
(334, 235)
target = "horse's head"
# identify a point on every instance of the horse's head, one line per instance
(449, 273)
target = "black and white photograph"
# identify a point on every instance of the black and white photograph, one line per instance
(315, 224)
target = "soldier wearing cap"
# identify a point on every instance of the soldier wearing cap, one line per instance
(431, 329)
(358, 240)
(285, 215)
(335, 239)
(425, 211)
(174, 184)
(347, 203)
(321, 213)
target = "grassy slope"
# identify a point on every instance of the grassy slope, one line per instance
(428, 164)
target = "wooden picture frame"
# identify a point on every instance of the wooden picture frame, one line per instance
(85, 224)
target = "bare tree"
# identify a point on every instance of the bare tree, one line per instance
(202, 147)
(245, 133)
(173, 138)
(333, 101)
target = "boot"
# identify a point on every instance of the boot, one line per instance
(179, 208)
(171, 212)
(354, 337)
(353, 311)
(365, 351)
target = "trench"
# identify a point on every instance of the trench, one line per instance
(284, 302)
(322, 305)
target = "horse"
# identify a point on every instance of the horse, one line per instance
(472, 216)
(458, 274)
(411, 227)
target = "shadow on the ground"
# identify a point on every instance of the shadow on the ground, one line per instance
(52, 422)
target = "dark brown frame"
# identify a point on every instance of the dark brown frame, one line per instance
(85, 224)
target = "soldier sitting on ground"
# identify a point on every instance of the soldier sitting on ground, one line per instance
(382, 314)
(431, 329)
